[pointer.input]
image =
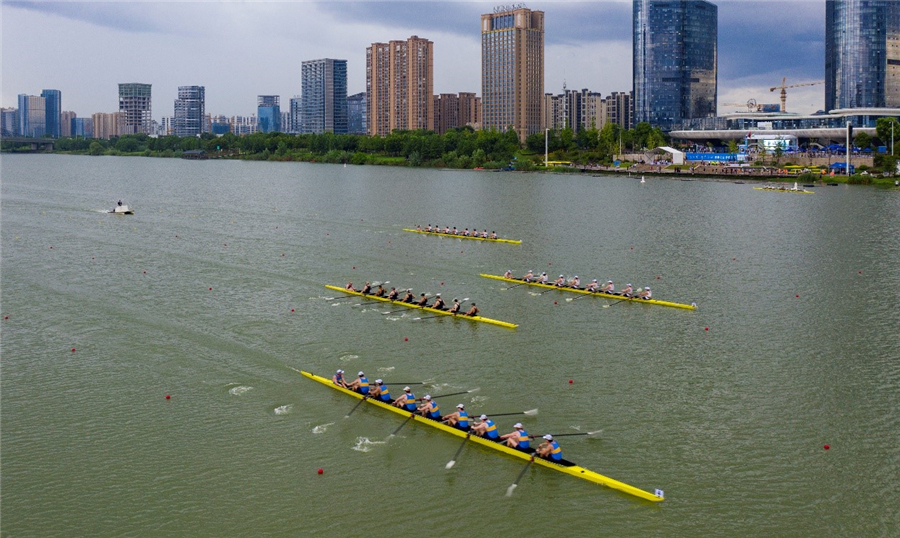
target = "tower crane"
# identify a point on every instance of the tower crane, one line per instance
(784, 90)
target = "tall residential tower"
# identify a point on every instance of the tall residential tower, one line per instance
(862, 53)
(512, 70)
(190, 111)
(324, 103)
(675, 61)
(400, 86)
(134, 106)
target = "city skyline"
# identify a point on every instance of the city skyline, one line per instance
(255, 48)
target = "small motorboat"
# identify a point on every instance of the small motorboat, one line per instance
(122, 209)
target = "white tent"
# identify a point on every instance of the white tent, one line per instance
(677, 156)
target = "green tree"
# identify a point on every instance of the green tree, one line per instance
(732, 146)
(883, 130)
(96, 148)
(862, 141)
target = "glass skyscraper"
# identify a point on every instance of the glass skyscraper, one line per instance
(675, 61)
(268, 113)
(324, 102)
(190, 111)
(52, 111)
(862, 53)
(32, 116)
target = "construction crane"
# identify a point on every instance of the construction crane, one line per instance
(750, 104)
(784, 90)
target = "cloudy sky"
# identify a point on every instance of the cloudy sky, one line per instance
(241, 49)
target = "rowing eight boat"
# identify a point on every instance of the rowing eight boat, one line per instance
(426, 309)
(787, 189)
(566, 467)
(457, 236)
(613, 296)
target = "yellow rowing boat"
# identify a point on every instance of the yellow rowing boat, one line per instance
(571, 469)
(459, 236)
(611, 296)
(426, 308)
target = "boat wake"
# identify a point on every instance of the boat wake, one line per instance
(386, 369)
(238, 390)
(283, 410)
(348, 357)
(364, 444)
(479, 399)
(322, 429)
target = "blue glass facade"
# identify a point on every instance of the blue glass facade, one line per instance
(324, 102)
(675, 60)
(862, 53)
(52, 110)
(268, 114)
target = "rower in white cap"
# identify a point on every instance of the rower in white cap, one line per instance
(338, 378)
(609, 287)
(380, 391)
(508, 274)
(628, 291)
(543, 278)
(518, 438)
(560, 281)
(360, 385)
(529, 276)
(459, 418)
(593, 286)
(407, 400)
(429, 408)
(646, 293)
(549, 449)
(486, 428)
(575, 283)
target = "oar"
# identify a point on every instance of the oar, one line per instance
(530, 413)
(411, 305)
(447, 311)
(355, 406)
(598, 432)
(401, 426)
(570, 299)
(410, 383)
(510, 489)
(452, 462)
(517, 285)
(634, 296)
(453, 394)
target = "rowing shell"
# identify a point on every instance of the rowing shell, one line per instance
(612, 296)
(776, 189)
(513, 241)
(426, 308)
(567, 468)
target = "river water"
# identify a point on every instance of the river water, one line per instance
(213, 293)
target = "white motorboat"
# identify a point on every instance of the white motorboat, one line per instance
(122, 209)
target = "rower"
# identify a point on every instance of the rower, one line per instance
(493, 235)
(423, 300)
(466, 232)
(543, 278)
(646, 294)
(360, 385)
(628, 291)
(560, 282)
(381, 391)
(484, 234)
(518, 438)
(575, 283)
(608, 287)
(473, 311)
(529, 276)
(549, 449)
(446, 229)
(486, 428)
(455, 231)
(456, 306)
(338, 379)
(438, 302)
(460, 418)
(406, 400)
(408, 298)
(508, 274)
(349, 286)
(428, 228)
(418, 228)
(380, 291)
(430, 408)
(367, 289)
(393, 294)
(593, 286)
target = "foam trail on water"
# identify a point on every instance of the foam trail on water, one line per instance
(322, 428)
(283, 410)
(364, 444)
(240, 389)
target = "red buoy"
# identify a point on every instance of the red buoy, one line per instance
(73, 350)
(707, 328)
(210, 289)
(5, 317)
(570, 381)
(168, 397)
(292, 310)
(320, 471)
(405, 339)
(554, 302)
(797, 296)
(827, 447)
(145, 272)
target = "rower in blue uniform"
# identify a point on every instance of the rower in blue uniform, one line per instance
(518, 438)
(381, 391)
(549, 449)
(430, 408)
(360, 385)
(338, 379)
(460, 418)
(407, 400)
(486, 428)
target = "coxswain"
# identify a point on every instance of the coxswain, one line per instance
(438, 302)
(408, 298)
(418, 228)
(575, 283)
(406, 400)
(543, 278)
(518, 438)
(549, 449)
(493, 235)
(460, 418)
(529, 276)
(393, 294)
(486, 428)
(608, 287)
(349, 286)
(646, 294)
(338, 379)
(456, 306)
(360, 385)
(380, 391)
(593, 286)
(560, 282)
(429, 408)
(473, 311)
(628, 291)
(508, 274)
(367, 289)
(423, 300)
(380, 291)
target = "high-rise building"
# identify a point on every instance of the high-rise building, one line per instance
(65, 122)
(190, 111)
(83, 127)
(107, 125)
(9, 122)
(862, 53)
(296, 115)
(268, 110)
(512, 70)
(52, 110)
(400, 86)
(32, 116)
(469, 110)
(135, 106)
(356, 114)
(324, 85)
(675, 61)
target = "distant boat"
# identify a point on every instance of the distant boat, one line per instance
(122, 209)
(642, 179)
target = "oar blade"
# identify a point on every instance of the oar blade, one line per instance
(531, 412)
(450, 464)
(510, 489)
